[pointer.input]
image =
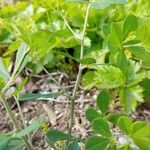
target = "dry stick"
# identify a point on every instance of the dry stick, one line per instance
(79, 73)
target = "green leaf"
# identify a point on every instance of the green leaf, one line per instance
(73, 146)
(125, 124)
(91, 114)
(26, 59)
(146, 87)
(87, 61)
(129, 97)
(32, 127)
(114, 39)
(9, 143)
(88, 80)
(12, 48)
(142, 143)
(102, 127)
(144, 33)
(125, 147)
(78, 1)
(130, 24)
(108, 77)
(103, 100)
(141, 53)
(3, 72)
(55, 135)
(15, 144)
(42, 40)
(20, 86)
(101, 4)
(140, 129)
(4, 140)
(37, 96)
(121, 62)
(96, 143)
(113, 118)
(20, 56)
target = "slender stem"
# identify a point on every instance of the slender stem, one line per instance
(21, 114)
(14, 121)
(67, 24)
(20, 111)
(46, 71)
(9, 111)
(79, 72)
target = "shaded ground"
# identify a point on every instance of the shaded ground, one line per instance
(58, 109)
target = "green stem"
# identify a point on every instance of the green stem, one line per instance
(11, 116)
(79, 72)
(20, 111)
(14, 121)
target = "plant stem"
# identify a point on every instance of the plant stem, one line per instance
(11, 116)
(79, 72)
(20, 111)
(14, 121)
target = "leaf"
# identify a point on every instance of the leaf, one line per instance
(73, 146)
(135, 74)
(15, 144)
(108, 77)
(78, 1)
(144, 33)
(42, 40)
(20, 56)
(20, 86)
(87, 61)
(141, 54)
(146, 87)
(91, 114)
(4, 140)
(9, 143)
(121, 62)
(102, 127)
(140, 129)
(129, 97)
(142, 143)
(113, 118)
(125, 147)
(32, 127)
(37, 96)
(101, 4)
(88, 80)
(125, 124)
(103, 100)
(55, 135)
(130, 24)
(12, 48)
(96, 143)
(3, 72)
(114, 39)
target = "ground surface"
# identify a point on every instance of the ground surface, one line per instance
(58, 109)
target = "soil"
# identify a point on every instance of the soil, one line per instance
(57, 109)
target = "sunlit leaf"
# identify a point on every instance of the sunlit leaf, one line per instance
(96, 142)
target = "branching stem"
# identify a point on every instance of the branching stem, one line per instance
(79, 72)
